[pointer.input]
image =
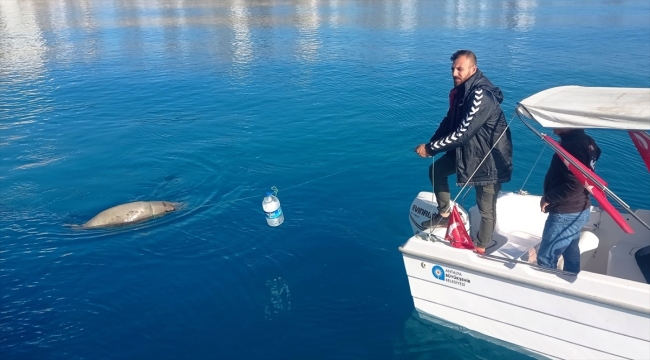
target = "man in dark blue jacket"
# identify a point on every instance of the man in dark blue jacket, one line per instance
(477, 144)
(566, 201)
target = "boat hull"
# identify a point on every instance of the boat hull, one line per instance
(547, 322)
(549, 312)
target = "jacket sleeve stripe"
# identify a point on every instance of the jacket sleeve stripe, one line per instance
(478, 95)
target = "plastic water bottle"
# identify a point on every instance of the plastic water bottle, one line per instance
(271, 206)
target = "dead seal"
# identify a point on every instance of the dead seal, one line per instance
(130, 213)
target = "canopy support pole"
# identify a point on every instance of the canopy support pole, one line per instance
(522, 109)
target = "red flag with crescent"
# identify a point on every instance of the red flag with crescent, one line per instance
(641, 140)
(456, 233)
(595, 188)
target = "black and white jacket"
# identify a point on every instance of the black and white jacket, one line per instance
(472, 126)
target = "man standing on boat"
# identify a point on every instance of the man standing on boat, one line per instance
(566, 201)
(477, 144)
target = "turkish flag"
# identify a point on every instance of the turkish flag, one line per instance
(642, 142)
(456, 233)
(595, 188)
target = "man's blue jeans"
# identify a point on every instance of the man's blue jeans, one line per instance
(560, 237)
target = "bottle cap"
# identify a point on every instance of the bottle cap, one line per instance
(269, 193)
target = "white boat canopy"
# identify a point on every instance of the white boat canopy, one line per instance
(589, 107)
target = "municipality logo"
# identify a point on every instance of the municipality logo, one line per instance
(438, 273)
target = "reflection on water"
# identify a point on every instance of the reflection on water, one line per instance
(425, 338)
(519, 15)
(461, 17)
(33, 32)
(22, 47)
(512, 14)
(173, 27)
(307, 22)
(334, 13)
(408, 13)
(36, 31)
(241, 43)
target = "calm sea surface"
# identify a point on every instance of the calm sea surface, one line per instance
(212, 103)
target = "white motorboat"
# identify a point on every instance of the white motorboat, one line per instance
(603, 312)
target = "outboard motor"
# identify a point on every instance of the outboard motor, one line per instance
(424, 207)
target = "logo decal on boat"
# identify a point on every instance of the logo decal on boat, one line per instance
(438, 273)
(453, 277)
(418, 210)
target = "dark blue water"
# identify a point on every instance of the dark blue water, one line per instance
(213, 103)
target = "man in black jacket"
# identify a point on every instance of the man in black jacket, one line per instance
(477, 144)
(566, 201)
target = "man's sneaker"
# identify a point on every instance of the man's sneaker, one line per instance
(438, 221)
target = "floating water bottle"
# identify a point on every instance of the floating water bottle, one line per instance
(271, 206)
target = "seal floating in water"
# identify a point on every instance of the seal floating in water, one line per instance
(130, 213)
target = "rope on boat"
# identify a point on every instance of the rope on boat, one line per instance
(274, 189)
(521, 190)
(430, 236)
(485, 157)
(471, 176)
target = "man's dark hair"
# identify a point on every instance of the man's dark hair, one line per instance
(467, 53)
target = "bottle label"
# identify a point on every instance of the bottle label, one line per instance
(275, 214)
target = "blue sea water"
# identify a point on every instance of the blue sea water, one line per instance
(212, 103)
